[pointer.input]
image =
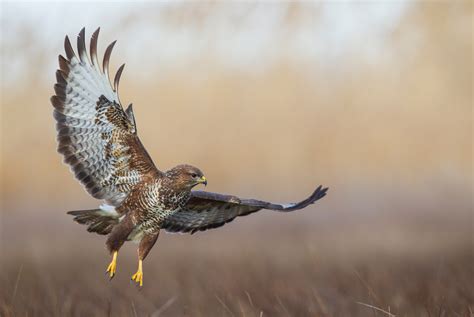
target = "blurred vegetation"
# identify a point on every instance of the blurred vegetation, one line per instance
(400, 118)
(387, 127)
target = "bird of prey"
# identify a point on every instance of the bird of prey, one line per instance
(99, 141)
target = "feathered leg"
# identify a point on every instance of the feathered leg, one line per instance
(116, 239)
(147, 242)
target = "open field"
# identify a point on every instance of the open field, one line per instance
(269, 100)
(270, 265)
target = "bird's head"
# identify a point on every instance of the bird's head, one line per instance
(186, 176)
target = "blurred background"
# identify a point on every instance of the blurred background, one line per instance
(269, 99)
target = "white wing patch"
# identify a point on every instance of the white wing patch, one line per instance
(109, 210)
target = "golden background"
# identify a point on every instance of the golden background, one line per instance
(270, 100)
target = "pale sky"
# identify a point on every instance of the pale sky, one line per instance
(243, 35)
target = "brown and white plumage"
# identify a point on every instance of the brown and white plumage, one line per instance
(99, 141)
(206, 210)
(97, 138)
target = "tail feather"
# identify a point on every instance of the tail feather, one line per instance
(96, 219)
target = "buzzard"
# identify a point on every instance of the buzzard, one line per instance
(99, 141)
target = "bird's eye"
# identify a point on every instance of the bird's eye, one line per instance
(193, 175)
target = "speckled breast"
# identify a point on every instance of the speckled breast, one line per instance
(160, 202)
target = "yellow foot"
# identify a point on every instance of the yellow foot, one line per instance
(113, 265)
(138, 277)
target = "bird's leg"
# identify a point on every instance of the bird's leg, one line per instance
(147, 242)
(113, 265)
(138, 277)
(115, 240)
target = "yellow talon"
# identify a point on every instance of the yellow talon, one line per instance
(113, 265)
(138, 277)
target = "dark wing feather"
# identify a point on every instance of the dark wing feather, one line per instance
(97, 138)
(207, 210)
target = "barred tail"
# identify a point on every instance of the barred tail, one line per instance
(100, 220)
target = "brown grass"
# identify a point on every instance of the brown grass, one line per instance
(270, 265)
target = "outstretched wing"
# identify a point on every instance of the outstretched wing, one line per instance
(211, 210)
(96, 136)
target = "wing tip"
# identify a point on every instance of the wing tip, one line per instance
(107, 54)
(68, 48)
(117, 77)
(56, 102)
(63, 65)
(317, 194)
(320, 192)
(81, 44)
(93, 47)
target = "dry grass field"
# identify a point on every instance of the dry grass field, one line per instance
(372, 99)
(270, 266)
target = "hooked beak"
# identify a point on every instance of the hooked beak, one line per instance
(203, 180)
